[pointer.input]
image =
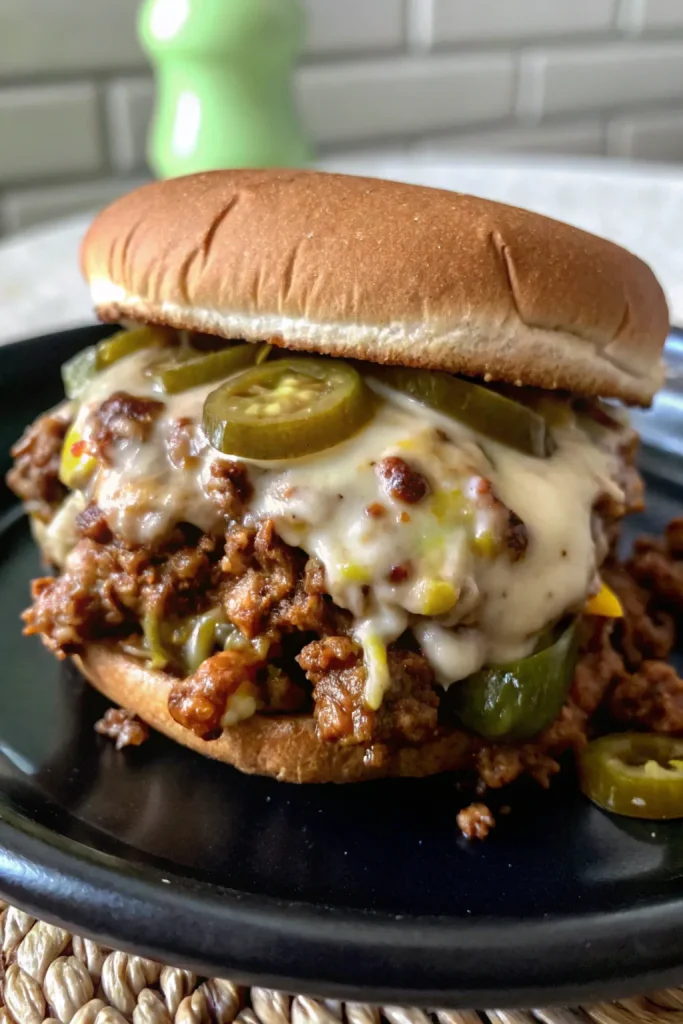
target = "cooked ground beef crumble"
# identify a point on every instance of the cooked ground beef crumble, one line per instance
(35, 475)
(122, 726)
(298, 653)
(475, 821)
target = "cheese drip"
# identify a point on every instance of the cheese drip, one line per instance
(436, 567)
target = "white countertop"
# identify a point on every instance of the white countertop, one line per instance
(639, 206)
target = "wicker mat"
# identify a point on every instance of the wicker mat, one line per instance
(48, 975)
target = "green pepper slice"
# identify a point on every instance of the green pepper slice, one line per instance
(518, 700)
(638, 775)
(287, 408)
(155, 643)
(183, 643)
(125, 343)
(479, 408)
(78, 371)
(181, 375)
(200, 643)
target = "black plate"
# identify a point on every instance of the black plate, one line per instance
(361, 891)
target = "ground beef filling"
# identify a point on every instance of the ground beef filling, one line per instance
(273, 592)
(294, 646)
(35, 475)
(122, 417)
(408, 713)
(107, 589)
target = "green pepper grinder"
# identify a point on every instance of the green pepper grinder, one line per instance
(223, 72)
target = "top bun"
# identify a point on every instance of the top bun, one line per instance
(382, 271)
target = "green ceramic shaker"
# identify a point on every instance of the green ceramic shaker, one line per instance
(223, 72)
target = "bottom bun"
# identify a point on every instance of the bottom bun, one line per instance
(285, 747)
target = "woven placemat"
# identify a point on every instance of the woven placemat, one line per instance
(48, 975)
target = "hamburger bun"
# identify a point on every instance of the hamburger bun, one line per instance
(286, 747)
(381, 271)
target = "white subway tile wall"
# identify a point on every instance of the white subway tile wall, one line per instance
(456, 21)
(650, 137)
(49, 130)
(654, 14)
(372, 100)
(354, 26)
(129, 103)
(42, 38)
(612, 75)
(419, 77)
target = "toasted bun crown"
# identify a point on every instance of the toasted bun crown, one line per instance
(382, 271)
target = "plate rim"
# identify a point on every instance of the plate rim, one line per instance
(123, 906)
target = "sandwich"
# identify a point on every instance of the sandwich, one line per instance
(340, 498)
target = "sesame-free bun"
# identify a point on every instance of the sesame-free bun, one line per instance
(382, 271)
(285, 747)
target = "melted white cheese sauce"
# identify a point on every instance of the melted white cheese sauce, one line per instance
(468, 604)
(143, 495)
